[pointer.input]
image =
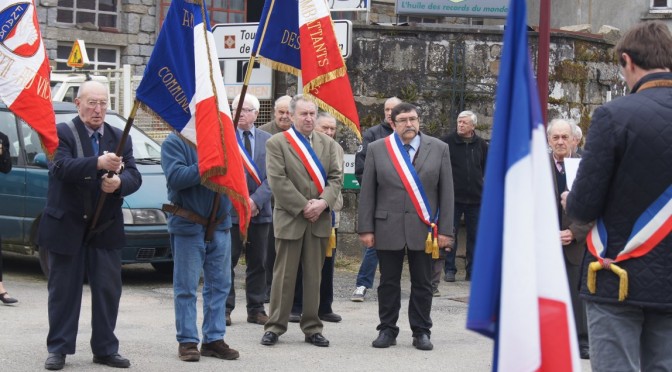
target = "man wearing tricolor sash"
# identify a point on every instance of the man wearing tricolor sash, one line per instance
(304, 174)
(406, 209)
(624, 182)
(252, 147)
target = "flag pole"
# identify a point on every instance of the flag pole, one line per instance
(250, 66)
(110, 174)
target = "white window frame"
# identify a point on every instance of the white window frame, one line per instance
(97, 12)
(661, 9)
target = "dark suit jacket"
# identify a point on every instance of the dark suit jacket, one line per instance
(574, 251)
(261, 194)
(74, 186)
(292, 186)
(386, 209)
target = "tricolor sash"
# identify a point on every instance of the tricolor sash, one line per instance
(308, 157)
(650, 229)
(401, 161)
(248, 162)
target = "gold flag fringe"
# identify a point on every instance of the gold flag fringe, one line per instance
(337, 114)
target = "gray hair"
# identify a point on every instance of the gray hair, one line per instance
(470, 114)
(578, 133)
(297, 98)
(282, 100)
(556, 121)
(252, 100)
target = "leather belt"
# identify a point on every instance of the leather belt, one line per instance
(185, 213)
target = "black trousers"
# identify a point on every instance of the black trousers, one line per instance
(270, 258)
(66, 278)
(326, 288)
(389, 290)
(255, 272)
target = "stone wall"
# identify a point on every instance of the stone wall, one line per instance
(424, 66)
(135, 37)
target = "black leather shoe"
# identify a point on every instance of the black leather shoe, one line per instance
(422, 342)
(385, 339)
(294, 318)
(113, 360)
(584, 352)
(317, 339)
(55, 362)
(331, 317)
(269, 339)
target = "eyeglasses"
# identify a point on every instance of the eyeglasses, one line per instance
(92, 104)
(413, 119)
(246, 110)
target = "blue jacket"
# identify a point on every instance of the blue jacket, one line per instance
(74, 187)
(626, 165)
(180, 165)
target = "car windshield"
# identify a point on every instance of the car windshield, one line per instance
(143, 146)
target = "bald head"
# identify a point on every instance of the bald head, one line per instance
(92, 101)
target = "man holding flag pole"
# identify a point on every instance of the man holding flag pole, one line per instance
(184, 87)
(519, 294)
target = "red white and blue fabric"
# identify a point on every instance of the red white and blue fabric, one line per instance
(24, 83)
(183, 86)
(518, 296)
(308, 157)
(650, 229)
(248, 162)
(409, 177)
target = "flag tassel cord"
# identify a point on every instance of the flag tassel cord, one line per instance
(110, 174)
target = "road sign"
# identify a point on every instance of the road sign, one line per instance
(235, 40)
(349, 180)
(261, 80)
(78, 57)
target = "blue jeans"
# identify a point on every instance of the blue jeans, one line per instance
(191, 255)
(470, 212)
(367, 270)
(629, 338)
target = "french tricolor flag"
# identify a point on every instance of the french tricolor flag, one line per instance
(519, 293)
(183, 85)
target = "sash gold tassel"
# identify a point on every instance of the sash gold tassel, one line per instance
(594, 267)
(332, 243)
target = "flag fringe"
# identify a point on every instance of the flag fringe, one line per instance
(282, 67)
(244, 220)
(324, 78)
(340, 117)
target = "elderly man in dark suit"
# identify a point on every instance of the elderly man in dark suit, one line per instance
(572, 233)
(254, 143)
(396, 213)
(305, 177)
(77, 175)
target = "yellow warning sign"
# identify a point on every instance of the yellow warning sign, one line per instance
(78, 57)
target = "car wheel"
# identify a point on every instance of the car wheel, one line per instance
(165, 268)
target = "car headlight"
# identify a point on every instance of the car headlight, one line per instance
(143, 216)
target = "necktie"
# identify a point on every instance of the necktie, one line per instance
(561, 164)
(310, 140)
(248, 144)
(407, 147)
(94, 143)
